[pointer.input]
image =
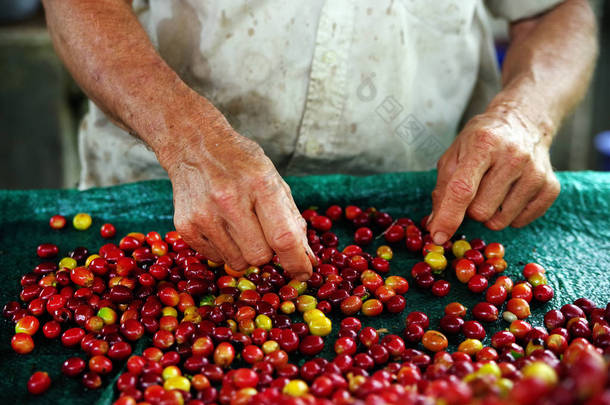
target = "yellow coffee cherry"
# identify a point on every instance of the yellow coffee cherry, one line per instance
(460, 247)
(437, 261)
(270, 346)
(541, 371)
(504, 385)
(287, 307)
(470, 346)
(321, 326)
(263, 322)
(177, 383)
(490, 368)
(296, 388)
(170, 372)
(244, 284)
(385, 252)
(82, 221)
(169, 311)
(214, 264)
(300, 286)
(68, 263)
(306, 302)
(312, 314)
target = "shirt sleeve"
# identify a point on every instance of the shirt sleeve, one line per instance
(513, 10)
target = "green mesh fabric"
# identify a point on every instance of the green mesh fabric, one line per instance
(572, 241)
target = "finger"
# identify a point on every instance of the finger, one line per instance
(218, 236)
(445, 166)
(206, 248)
(301, 223)
(458, 194)
(283, 233)
(247, 233)
(493, 189)
(522, 192)
(540, 204)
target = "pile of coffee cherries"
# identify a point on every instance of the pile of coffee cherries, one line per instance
(217, 335)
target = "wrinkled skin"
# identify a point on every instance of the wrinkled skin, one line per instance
(498, 171)
(232, 205)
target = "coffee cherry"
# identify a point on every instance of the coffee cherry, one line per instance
(494, 249)
(47, 250)
(39, 383)
(57, 222)
(477, 283)
(82, 221)
(465, 270)
(73, 366)
(363, 236)
(22, 343)
(485, 312)
(440, 288)
(434, 341)
(473, 330)
(543, 292)
(519, 307)
(107, 231)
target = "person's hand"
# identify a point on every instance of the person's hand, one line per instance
(231, 205)
(498, 171)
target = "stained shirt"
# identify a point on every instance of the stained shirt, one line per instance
(324, 86)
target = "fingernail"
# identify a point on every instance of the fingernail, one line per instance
(439, 238)
(312, 257)
(429, 219)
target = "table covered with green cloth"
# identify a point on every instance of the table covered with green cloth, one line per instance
(572, 241)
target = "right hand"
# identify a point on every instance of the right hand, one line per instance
(230, 203)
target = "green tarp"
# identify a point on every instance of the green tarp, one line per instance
(572, 241)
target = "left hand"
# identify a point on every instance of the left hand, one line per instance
(498, 171)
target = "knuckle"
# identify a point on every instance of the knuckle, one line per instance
(184, 226)
(259, 257)
(536, 178)
(267, 183)
(485, 140)
(517, 157)
(226, 199)
(480, 212)
(461, 190)
(284, 241)
(436, 194)
(554, 188)
(202, 220)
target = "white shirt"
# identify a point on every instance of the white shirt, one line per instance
(324, 86)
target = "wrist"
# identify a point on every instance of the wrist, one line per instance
(520, 104)
(172, 120)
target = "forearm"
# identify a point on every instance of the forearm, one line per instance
(548, 65)
(110, 56)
